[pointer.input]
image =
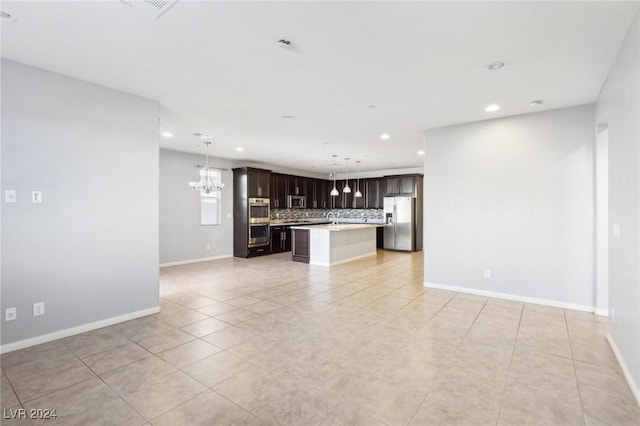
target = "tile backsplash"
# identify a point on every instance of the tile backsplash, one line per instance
(342, 215)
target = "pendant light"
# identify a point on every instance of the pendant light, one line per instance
(206, 184)
(358, 194)
(334, 192)
(346, 189)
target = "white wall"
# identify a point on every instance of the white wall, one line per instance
(602, 222)
(90, 251)
(619, 108)
(182, 238)
(514, 195)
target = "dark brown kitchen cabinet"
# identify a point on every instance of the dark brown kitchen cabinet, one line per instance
(374, 193)
(338, 201)
(258, 183)
(347, 197)
(275, 239)
(279, 188)
(358, 202)
(401, 185)
(280, 239)
(248, 183)
(287, 238)
(297, 185)
(320, 198)
(300, 250)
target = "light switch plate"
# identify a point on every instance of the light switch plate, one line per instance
(10, 196)
(38, 309)
(36, 197)
(10, 314)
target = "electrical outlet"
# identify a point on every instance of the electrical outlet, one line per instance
(208, 246)
(10, 196)
(10, 314)
(487, 273)
(38, 309)
(36, 197)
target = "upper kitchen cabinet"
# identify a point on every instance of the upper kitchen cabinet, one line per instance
(258, 182)
(252, 182)
(279, 188)
(347, 197)
(374, 193)
(319, 190)
(297, 185)
(342, 200)
(402, 185)
(358, 202)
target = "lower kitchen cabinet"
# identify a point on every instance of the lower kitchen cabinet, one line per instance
(300, 252)
(257, 251)
(280, 238)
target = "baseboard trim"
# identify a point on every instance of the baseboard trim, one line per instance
(351, 259)
(201, 259)
(601, 312)
(508, 296)
(623, 365)
(32, 341)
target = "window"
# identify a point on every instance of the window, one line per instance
(210, 209)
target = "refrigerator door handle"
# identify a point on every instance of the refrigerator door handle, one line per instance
(395, 228)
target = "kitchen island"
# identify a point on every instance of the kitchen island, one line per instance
(332, 244)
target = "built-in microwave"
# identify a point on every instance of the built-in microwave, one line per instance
(296, 201)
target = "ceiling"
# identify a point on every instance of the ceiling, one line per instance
(355, 69)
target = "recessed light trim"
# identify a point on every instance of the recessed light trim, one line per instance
(497, 65)
(239, 149)
(284, 43)
(203, 135)
(385, 136)
(492, 108)
(167, 134)
(535, 103)
(421, 152)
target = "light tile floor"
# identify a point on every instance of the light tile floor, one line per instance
(269, 341)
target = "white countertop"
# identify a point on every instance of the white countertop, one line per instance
(340, 226)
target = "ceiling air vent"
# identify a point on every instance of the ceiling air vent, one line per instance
(152, 7)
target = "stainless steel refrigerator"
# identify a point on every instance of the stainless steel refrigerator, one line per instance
(400, 223)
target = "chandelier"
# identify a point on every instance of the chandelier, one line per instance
(206, 184)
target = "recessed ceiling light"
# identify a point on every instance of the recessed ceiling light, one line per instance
(492, 108)
(6, 17)
(239, 149)
(385, 136)
(495, 66)
(167, 134)
(289, 117)
(421, 152)
(203, 135)
(535, 103)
